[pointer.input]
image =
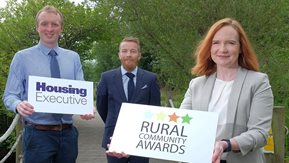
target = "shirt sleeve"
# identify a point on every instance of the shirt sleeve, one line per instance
(14, 91)
(78, 69)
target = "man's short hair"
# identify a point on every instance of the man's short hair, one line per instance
(50, 9)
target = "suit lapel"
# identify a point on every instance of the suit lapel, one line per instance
(118, 83)
(206, 94)
(139, 83)
(235, 94)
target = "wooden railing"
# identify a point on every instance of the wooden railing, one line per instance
(278, 128)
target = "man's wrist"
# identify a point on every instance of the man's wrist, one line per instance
(229, 145)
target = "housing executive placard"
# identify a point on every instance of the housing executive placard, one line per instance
(165, 133)
(53, 95)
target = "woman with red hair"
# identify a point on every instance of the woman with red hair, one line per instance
(229, 84)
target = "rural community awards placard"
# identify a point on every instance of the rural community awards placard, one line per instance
(53, 95)
(165, 133)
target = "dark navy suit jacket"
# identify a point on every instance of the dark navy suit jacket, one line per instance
(110, 95)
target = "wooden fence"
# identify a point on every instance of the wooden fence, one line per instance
(278, 129)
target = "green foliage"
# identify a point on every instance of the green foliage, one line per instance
(106, 56)
(8, 143)
(172, 31)
(5, 62)
(154, 22)
(84, 25)
(104, 49)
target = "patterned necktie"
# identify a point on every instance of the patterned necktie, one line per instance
(54, 66)
(130, 86)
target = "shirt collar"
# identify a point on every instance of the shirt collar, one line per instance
(45, 50)
(124, 71)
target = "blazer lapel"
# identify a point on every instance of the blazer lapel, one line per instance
(206, 94)
(235, 95)
(118, 83)
(139, 83)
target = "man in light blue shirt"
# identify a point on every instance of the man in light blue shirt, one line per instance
(47, 138)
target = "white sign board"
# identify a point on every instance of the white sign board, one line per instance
(53, 95)
(165, 133)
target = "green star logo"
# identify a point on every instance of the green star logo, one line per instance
(186, 119)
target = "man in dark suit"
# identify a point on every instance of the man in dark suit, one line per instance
(115, 88)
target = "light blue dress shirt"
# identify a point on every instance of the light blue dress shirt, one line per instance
(125, 78)
(36, 61)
